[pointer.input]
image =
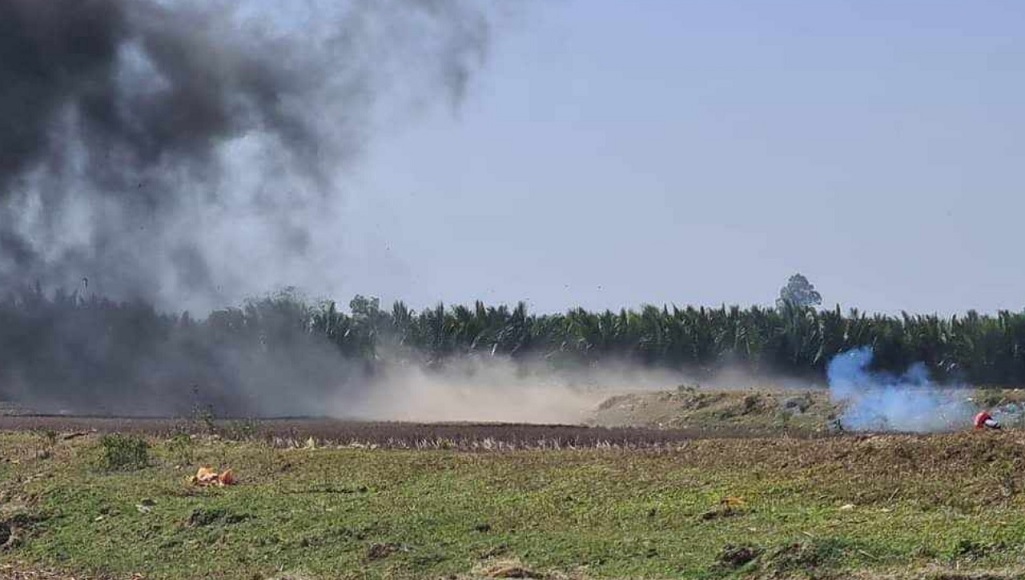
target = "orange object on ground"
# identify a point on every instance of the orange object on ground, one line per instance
(209, 476)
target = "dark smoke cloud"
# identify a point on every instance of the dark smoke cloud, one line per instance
(192, 152)
(188, 154)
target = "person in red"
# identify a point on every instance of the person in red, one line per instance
(984, 420)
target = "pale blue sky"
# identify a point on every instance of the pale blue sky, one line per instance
(615, 153)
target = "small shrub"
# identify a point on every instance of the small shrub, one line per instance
(180, 448)
(990, 397)
(972, 549)
(243, 430)
(51, 437)
(205, 416)
(209, 516)
(124, 452)
(751, 403)
(783, 419)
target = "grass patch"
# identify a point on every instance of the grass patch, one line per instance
(180, 448)
(124, 452)
(825, 508)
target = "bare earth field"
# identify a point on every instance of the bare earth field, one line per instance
(753, 495)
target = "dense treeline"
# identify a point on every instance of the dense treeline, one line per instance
(787, 339)
(65, 338)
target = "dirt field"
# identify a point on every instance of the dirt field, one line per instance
(634, 420)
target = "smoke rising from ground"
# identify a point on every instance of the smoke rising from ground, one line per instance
(188, 154)
(876, 401)
(191, 153)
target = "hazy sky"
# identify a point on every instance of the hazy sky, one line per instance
(617, 153)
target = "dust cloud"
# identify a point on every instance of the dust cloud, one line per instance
(498, 389)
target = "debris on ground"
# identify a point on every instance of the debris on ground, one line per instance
(733, 501)
(986, 421)
(145, 506)
(7, 536)
(509, 571)
(207, 476)
(25, 571)
(379, 551)
(728, 507)
(734, 557)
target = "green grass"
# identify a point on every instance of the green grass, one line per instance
(919, 504)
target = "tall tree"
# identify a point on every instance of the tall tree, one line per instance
(798, 292)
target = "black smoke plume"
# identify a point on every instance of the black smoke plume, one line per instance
(189, 153)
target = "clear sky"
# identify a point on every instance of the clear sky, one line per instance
(616, 153)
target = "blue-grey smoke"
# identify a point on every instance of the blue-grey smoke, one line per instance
(879, 401)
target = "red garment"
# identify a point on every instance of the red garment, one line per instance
(981, 418)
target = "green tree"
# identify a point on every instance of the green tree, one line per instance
(798, 292)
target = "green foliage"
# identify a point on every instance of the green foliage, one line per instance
(180, 449)
(205, 417)
(124, 452)
(241, 430)
(792, 338)
(799, 292)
